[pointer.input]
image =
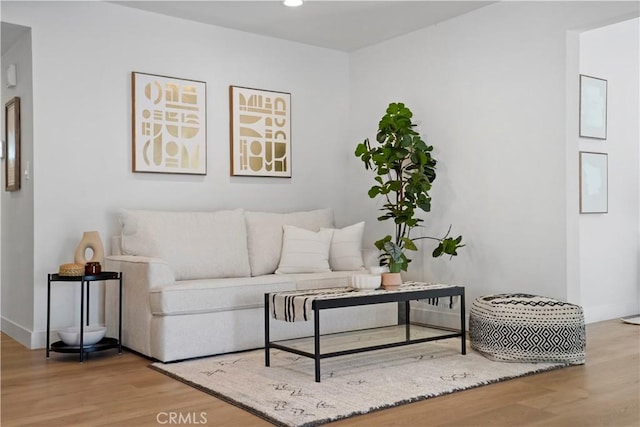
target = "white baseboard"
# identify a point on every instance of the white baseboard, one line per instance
(436, 316)
(18, 332)
(599, 313)
(39, 339)
(33, 340)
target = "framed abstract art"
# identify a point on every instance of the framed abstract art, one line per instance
(169, 124)
(593, 182)
(260, 126)
(593, 107)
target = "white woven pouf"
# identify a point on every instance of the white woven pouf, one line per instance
(527, 328)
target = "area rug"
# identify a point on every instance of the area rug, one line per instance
(286, 393)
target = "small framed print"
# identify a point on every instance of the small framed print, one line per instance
(12, 144)
(593, 107)
(593, 182)
(260, 122)
(169, 125)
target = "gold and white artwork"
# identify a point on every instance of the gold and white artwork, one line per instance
(260, 132)
(169, 125)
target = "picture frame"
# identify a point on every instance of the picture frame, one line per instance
(12, 144)
(169, 124)
(260, 130)
(593, 107)
(594, 191)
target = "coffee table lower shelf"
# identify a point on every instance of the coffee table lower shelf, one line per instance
(277, 345)
(404, 297)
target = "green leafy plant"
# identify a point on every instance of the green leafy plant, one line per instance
(405, 171)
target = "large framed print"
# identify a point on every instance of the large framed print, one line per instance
(169, 124)
(593, 107)
(12, 144)
(260, 126)
(593, 182)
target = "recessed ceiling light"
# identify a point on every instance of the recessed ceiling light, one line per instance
(292, 3)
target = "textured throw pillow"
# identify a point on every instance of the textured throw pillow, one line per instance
(304, 251)
(346, 248)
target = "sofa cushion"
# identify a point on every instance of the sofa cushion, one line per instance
(304, 251)
(214, 295)
(196, 245)
(334, 279)
(346, 248)
(265, 230)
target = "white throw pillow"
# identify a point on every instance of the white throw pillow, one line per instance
(264, 234)
(346, 248)
(304, 251)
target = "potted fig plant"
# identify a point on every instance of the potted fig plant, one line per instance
(405, 171)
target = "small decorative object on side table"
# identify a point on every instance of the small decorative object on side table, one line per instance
(104, 343)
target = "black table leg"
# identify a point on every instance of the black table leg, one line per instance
(407, 331)
(120, 317)
(267, 358)
(463, 326)
(88, 289)
(316, 339)
(48, 311)
(82, 319)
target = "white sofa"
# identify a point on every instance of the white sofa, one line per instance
(194, 282)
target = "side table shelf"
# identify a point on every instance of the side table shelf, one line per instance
(106, 342)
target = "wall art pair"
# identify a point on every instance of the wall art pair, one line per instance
(169, 128)
(593, 166)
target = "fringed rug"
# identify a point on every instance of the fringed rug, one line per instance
(286, 394)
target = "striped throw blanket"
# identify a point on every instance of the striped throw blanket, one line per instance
(295, 306)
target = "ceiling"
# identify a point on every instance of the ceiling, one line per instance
(340, 25)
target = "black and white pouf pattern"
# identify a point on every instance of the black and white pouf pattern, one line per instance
(527, 328)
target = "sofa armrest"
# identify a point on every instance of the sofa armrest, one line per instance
(148, 272)
(139, 276)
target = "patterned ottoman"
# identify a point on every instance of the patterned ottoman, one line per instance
(527, 328)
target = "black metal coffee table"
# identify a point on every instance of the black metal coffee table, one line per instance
(346, 298)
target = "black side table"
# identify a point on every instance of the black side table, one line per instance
(106, 342)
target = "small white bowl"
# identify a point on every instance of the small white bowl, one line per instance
(92, 334)
(365, 281)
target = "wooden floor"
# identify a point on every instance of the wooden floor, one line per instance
(120, 390)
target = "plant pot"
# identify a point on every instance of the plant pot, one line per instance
(391, 281)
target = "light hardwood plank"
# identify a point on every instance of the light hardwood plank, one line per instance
(120, 390)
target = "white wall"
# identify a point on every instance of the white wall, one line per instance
(83, 56)
(17, 206)
(609, 244)
(489, 90)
